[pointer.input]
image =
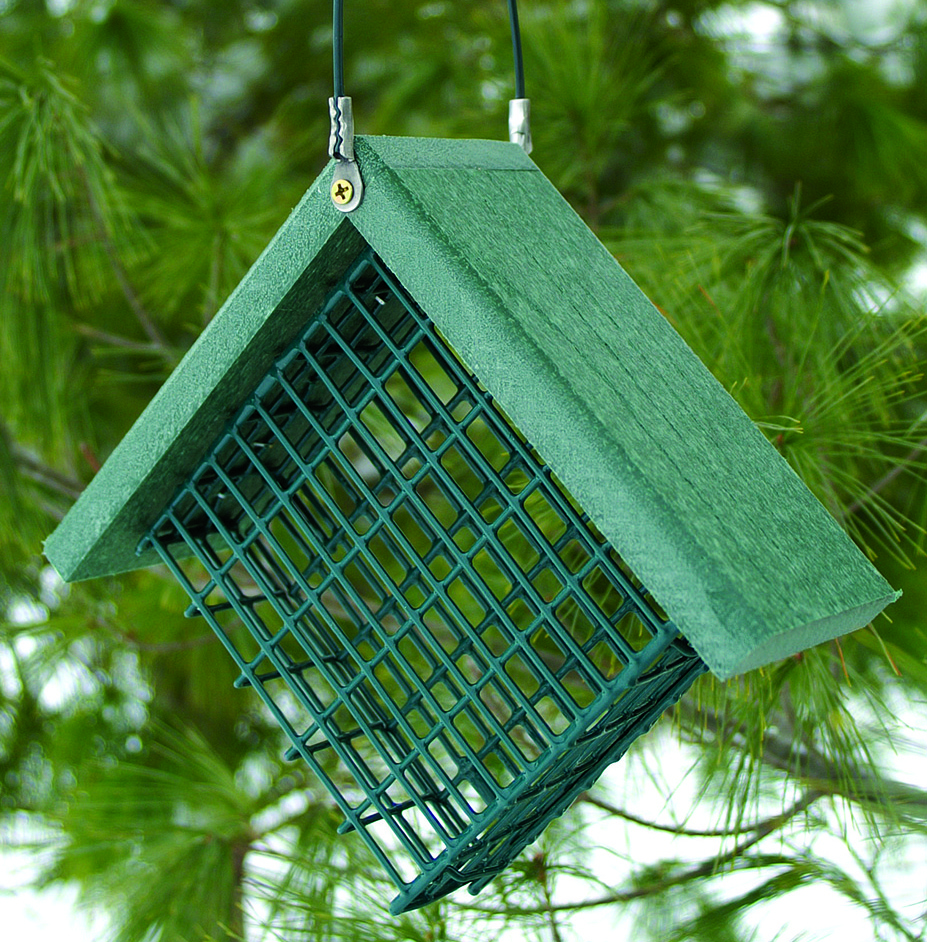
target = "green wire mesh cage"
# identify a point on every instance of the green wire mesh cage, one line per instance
(443, 635)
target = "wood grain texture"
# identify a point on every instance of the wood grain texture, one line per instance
(736, 549)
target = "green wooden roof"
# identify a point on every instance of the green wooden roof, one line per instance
(732, 544)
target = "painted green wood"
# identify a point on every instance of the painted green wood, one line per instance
(102, 531)
(744, 559)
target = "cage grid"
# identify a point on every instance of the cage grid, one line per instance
(442, 633)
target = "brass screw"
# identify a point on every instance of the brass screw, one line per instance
(342, 192)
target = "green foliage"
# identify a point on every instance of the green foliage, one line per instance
(768, 193)
(166, 839)
(207, 216)
(837, 388)
(595, 88)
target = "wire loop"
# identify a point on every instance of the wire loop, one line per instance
(518, 126)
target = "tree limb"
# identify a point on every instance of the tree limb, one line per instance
(706, 868)
(138, 309)
(114, 340)
(32, 467)
(888, 477)
(611, 809)
(818, 772)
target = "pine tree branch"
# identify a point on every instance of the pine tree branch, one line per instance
(887, 478)
(617, 812)
(816, 771)
(236, 927)
(50, 510)
(707, 868)
(138, 309)
(115, 340)
(30, 466)
(551, 914)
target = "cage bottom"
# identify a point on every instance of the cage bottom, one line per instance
(555, 785)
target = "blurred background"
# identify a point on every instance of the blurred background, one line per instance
(760, 168)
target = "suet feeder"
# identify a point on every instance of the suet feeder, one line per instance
(464, 508)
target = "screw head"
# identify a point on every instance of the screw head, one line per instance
(342, 191)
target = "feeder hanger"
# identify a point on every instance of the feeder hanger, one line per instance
(347, 184)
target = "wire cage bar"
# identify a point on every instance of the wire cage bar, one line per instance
(441, 632)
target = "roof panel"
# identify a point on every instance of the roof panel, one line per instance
(669, 467)
(748, 564)
(101, 532)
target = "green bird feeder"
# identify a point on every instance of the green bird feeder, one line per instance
(464, 508)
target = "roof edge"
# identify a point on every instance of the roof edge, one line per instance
(445, 154)
(101, 532)
(795, 640)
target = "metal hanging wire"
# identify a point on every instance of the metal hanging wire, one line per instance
(516, 49)
(338, 49)
(347, 188)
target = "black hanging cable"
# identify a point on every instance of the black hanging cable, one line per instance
(338, 48)
(348, 184)
(516, 50)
